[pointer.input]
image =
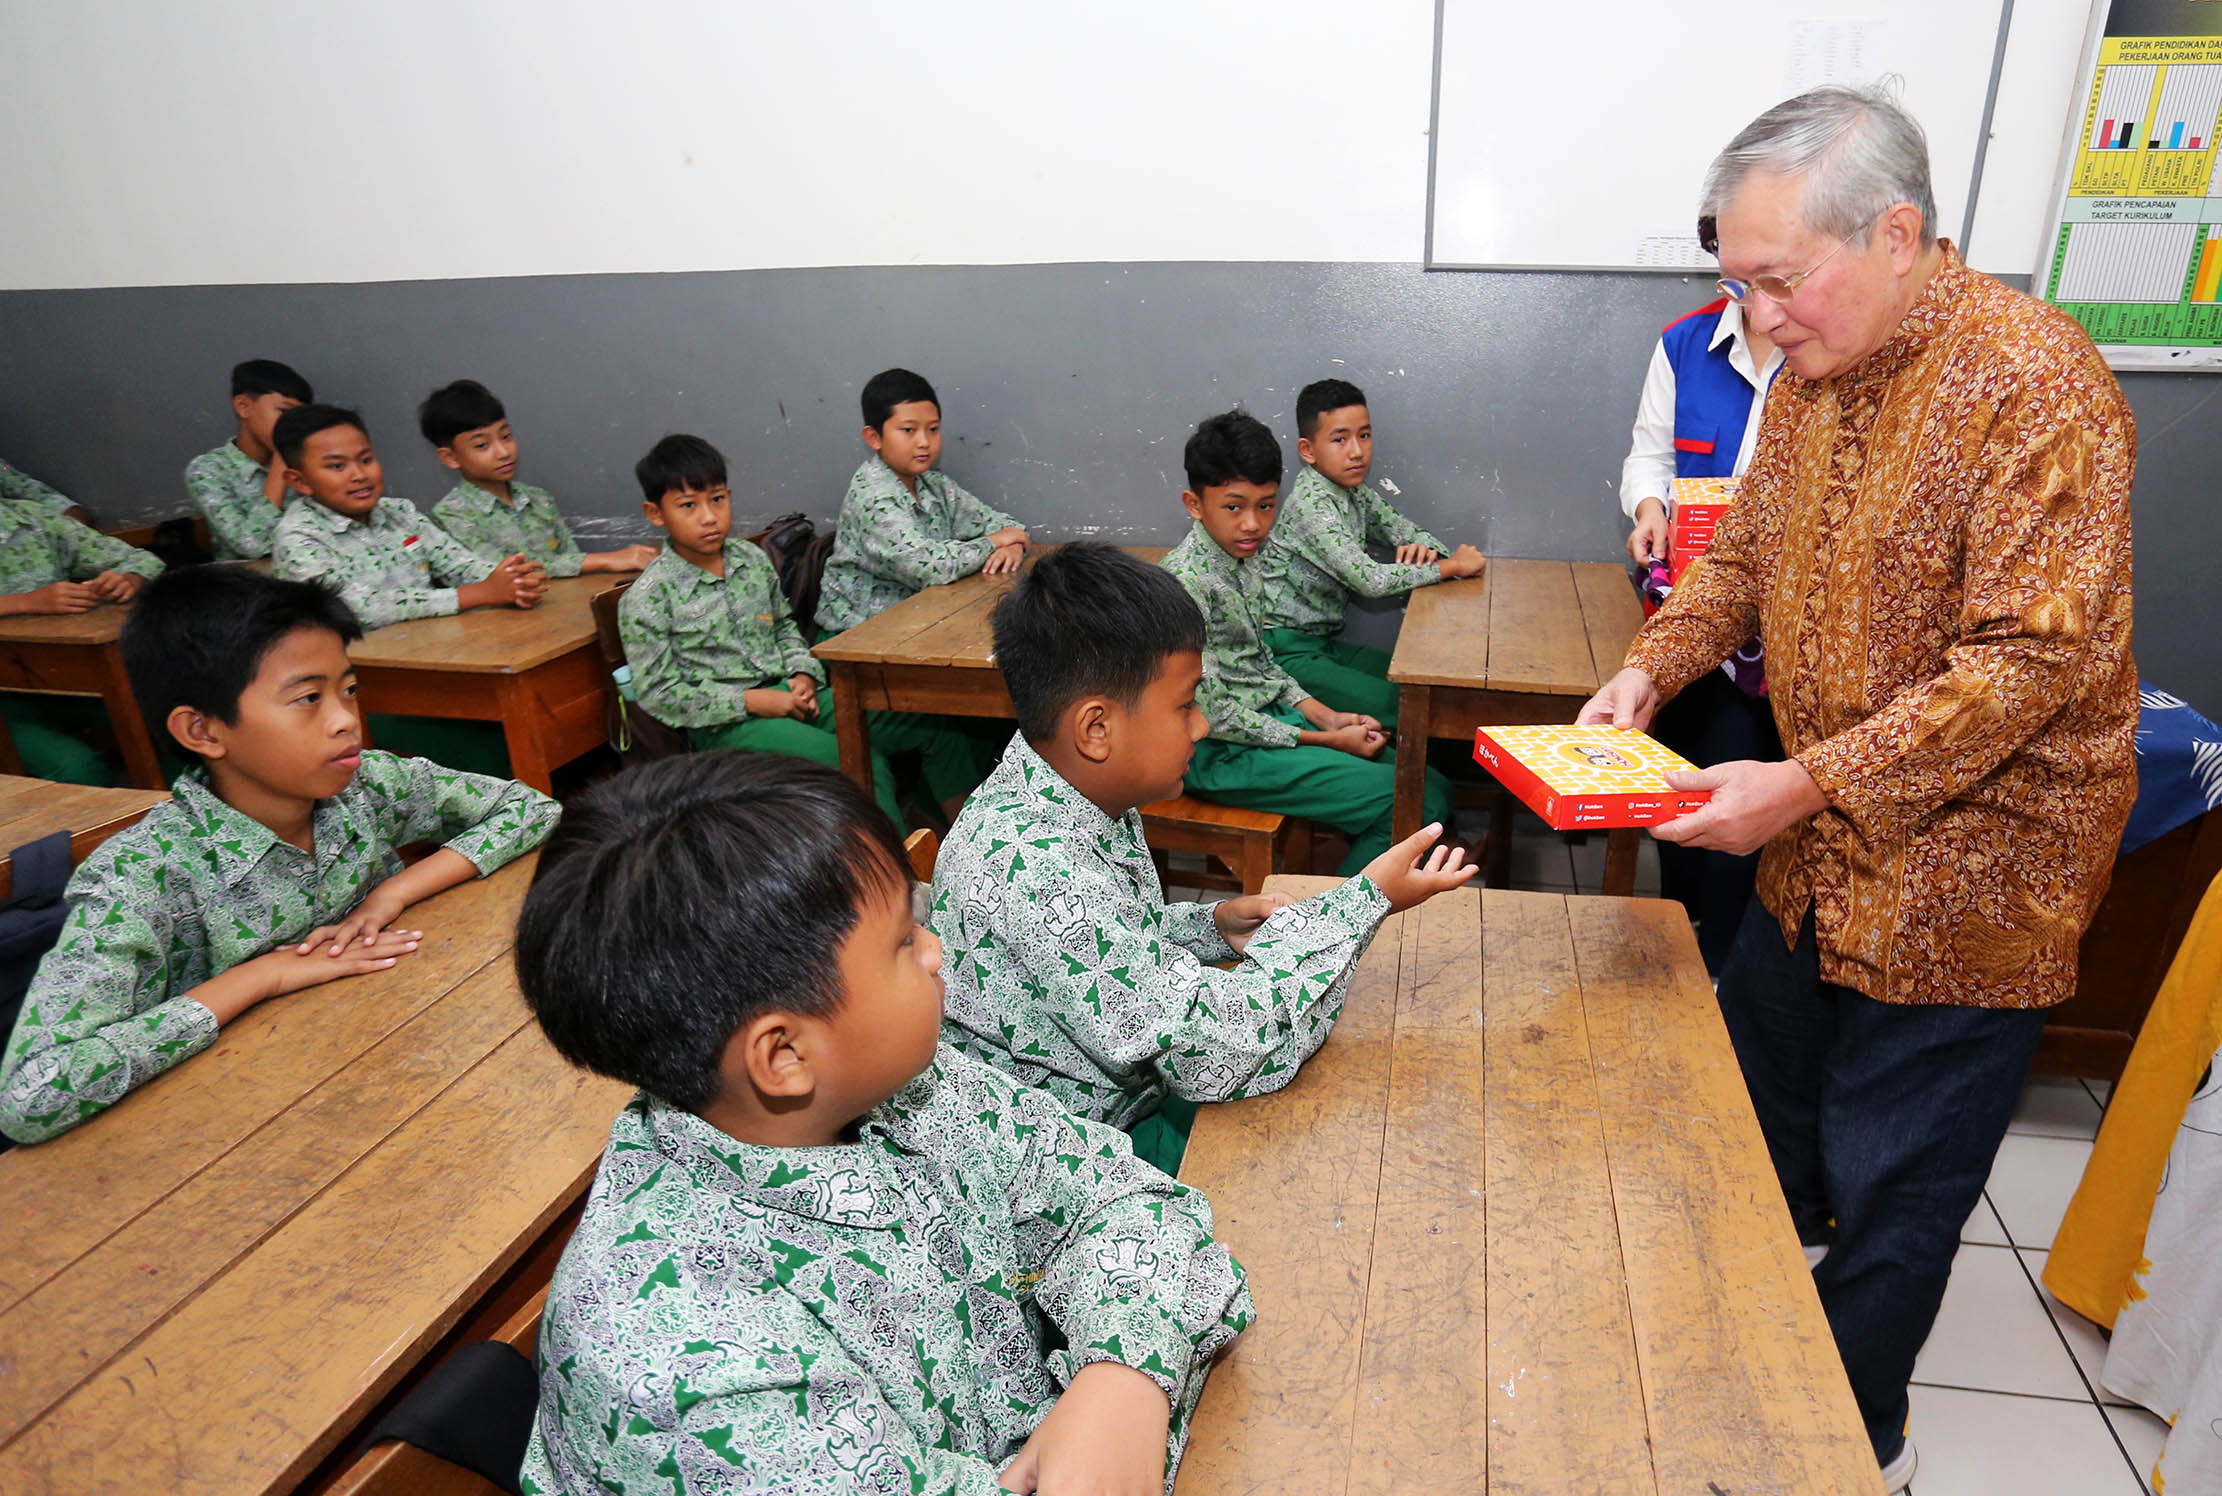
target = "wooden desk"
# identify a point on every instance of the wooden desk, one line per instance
(207, 1287)
(538, 673)
(76, 654)
(931, 652)
(1514, 1229)
(32, 808)
(1527, 642)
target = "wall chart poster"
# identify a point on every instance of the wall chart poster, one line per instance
(2137, 255)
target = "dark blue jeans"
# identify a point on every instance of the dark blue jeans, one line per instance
(1712, 722)
(1882, 1121)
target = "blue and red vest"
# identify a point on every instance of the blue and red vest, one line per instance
(1712, 402)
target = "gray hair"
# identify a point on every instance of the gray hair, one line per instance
(1857, 150)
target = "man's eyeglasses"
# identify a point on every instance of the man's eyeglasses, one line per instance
(1780, 288)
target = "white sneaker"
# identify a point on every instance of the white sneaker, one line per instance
(1898, 1474)
(1813, 1256)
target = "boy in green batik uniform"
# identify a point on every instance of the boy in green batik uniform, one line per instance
(1273, 745)
(1317, 557)
(823, 1255)
(273, 869)
(18, 486)
(903, 528)
(49, 564)
(239, 488)
(712, 647)
(1065, 965)
(489, 511)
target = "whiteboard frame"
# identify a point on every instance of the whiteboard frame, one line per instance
(2181, 358)
(1434, 134)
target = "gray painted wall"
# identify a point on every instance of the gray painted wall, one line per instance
(1502, 400)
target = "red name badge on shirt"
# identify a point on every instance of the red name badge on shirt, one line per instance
(410, 543)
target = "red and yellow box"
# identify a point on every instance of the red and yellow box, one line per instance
(1699, 504)
(1580, 778)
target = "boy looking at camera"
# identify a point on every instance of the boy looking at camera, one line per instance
(824, 1254)
(1066, 967)
(273, 867)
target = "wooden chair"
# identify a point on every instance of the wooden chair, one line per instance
(397, 1469)
(1246, 843)
(924, 848)
(637, 737)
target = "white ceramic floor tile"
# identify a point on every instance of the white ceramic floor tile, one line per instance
(1993, 1335)
(2086, 1341)
(2142, 1434)
(1982, 1226)
(2056, 1108)
(2031, 1183)
(2100, 1090)
(1993, 1444)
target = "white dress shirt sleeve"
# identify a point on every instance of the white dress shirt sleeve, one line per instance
(1648, 472)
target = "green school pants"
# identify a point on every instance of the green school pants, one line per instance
(53, 737)
(955, 753)
(798, 737)
(1356, 796)
(450, 742)
(1161, 1138)
(1348, 677)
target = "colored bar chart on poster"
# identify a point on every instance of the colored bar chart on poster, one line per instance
(2137, 255)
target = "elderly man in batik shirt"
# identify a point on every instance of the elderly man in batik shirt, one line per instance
(1933, 541)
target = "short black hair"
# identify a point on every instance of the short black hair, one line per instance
(1233, 447)
(297, 425)
(453, 409)
(682, 899)
(679, 461)
(890, 388)
(196, 636)
(1321, 396)
(266, 376)
(1088, 620)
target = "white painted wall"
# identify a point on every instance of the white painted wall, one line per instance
(150, 142)
(252, 141)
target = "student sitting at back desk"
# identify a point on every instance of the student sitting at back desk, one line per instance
(822, 1255)
(274, 867)
(239, 487)
(49, 564)
(1066, 967)
(18, 486)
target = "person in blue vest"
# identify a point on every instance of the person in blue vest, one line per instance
(1699, 418)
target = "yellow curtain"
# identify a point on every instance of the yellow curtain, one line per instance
(2101, 1242)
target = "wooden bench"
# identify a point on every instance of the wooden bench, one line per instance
(1245, 842)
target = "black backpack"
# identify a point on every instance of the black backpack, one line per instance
(30, 921)
(798, 554)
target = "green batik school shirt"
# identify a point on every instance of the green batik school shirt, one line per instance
(890, 543)
(529, 525)
(698, 642)
(1316, 556)
(1065, 966)
(894, 1315)
(1242, 681)
(18, 485)
(39, 545)
(385, 568)
(195, 889)
(225, 485)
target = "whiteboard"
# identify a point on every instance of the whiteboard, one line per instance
(1578, 139)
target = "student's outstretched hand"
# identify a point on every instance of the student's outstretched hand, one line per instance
(61, 597)
(1409, 874)
(117, 586)
(803, 687)
(1104, 1437)
(1413, 553)
(1629, 699)
(1238, 919)
(1466, 561)
(1004, 558)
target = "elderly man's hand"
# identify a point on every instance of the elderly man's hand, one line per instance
(1752, 803)
(1629, 699)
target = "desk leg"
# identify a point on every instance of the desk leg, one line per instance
(139, 761)
(1620, 861)
(1412, 703)
(848, 722)
(528, 755)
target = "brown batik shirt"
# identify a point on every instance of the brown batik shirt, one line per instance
(1935, 548)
